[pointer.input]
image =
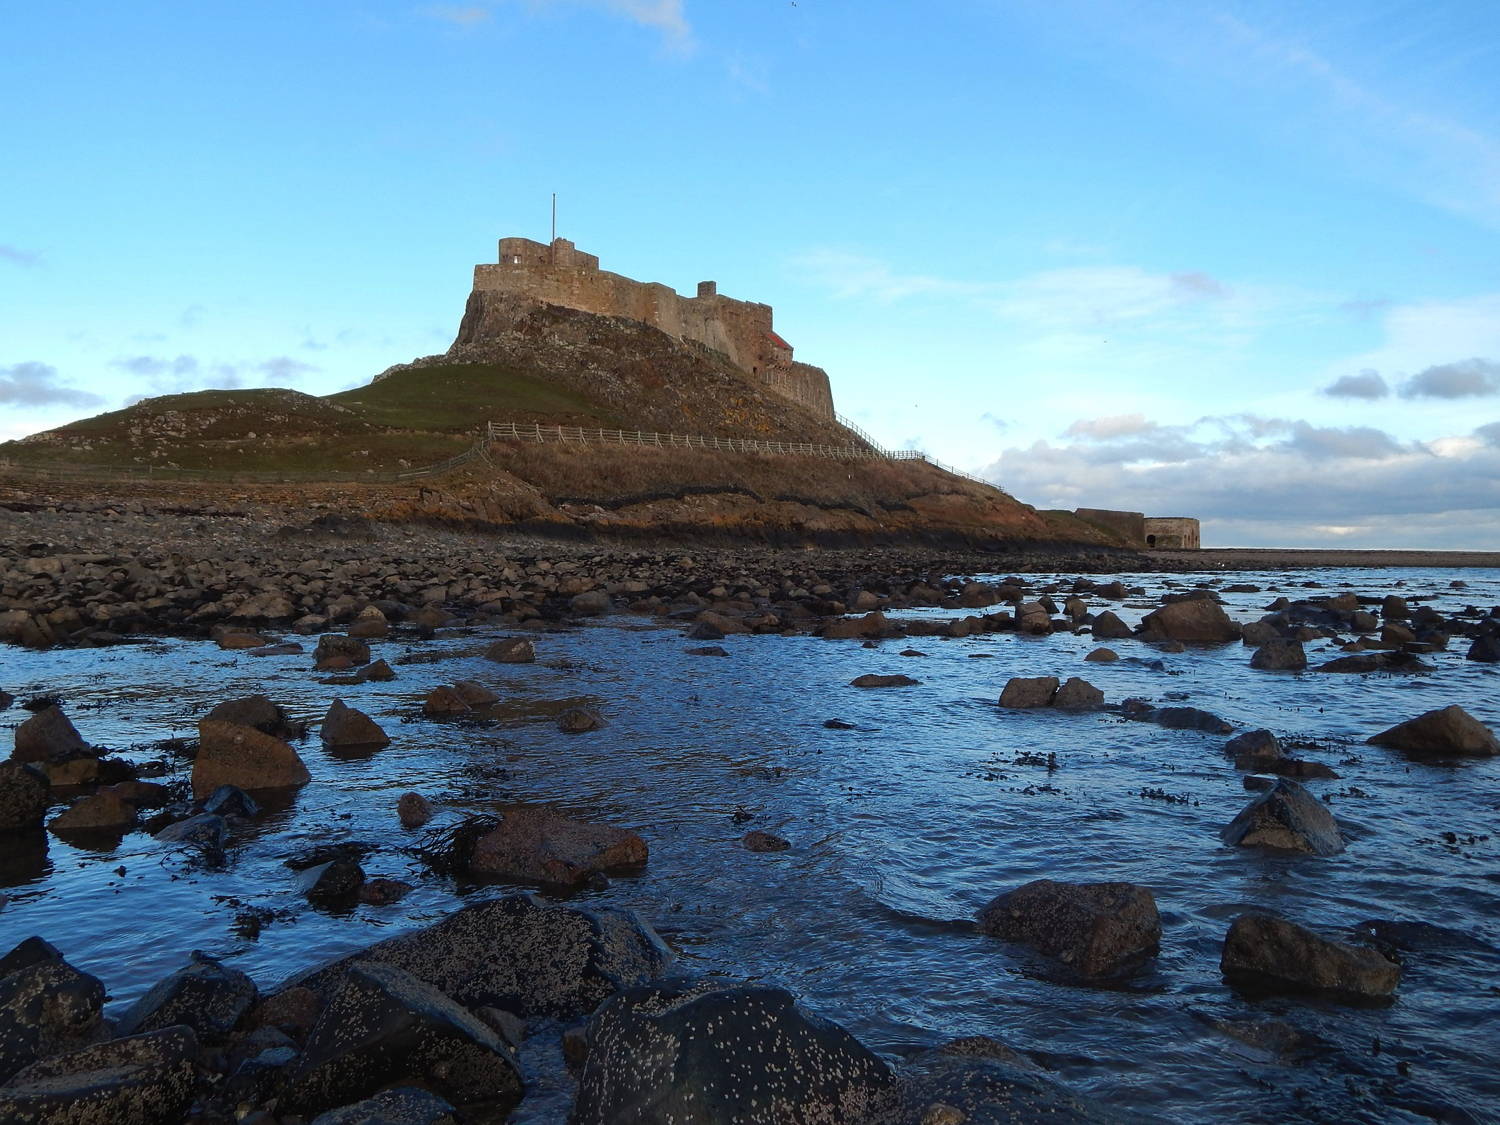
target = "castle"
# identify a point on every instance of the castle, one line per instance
(740, 331)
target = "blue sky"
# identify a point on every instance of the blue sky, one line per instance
(1236, 260)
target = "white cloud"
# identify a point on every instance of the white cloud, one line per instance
(1368, 384)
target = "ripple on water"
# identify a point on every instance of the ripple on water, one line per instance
(901, 829)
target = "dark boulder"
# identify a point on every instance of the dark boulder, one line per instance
(384, 1026)
(666, 1057)
(98, 812)
(444, 702)
(1263, 951)
(1194, 621)
(413, 810)
(336, 650)
(1175, 718)
(1078, 695)
(1096, 929)
(203, 995)
(259, 712)
(1107, 626)
(1280, 656)
(48, 735)
(46, 1007)
(24, 797)
(334, 884)
(229, 800)
(206, 830)
(537, 844)
(1446, 732)
(512, 650)
(140, 1080)
(579, 720)
(1485, 649)
(1028, 692)
(404, 1105)
(518, 955)
(872, 680)
(1254, 751)
(965, 1083)
(347, 726)
(1286, 818)
(758, 841)
(1363, 662)
(231, 754)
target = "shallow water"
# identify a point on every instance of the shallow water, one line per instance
(901, 830)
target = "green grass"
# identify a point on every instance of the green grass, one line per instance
(460, 396)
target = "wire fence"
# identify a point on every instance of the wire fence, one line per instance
(581, 435)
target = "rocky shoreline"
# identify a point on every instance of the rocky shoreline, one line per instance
(434, 1025)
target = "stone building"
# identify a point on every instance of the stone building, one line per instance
(1172, 533)
(561, 274)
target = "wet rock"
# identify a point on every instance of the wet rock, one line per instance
(1194, 621)
(346, 726)
(1258, 633)
(414, 810)
(48, 735)
(404, 1105)
(203, 995)
(511, 650)
(31, 951)
(204, 831)
(871, 680)
(337, 650)
(1394, 608)
(1255, 750)
(708, 650)
(1096, 929)
(579, 720)
(1299, 767)
(1024, 693)
(80, 769)
(1420, 937)
(370, 624)
(948, 1087)
(475, 694)
(1445, 732)
(228, 800)
(1078, 695)
(98, 812)
(24, 797)
(383, 892)
(444, 702)
(1286, 818)
(1175, 718)
(1263, 951)
(230, 754)
(1280, 656)
(659, 1056)
(517, 954)
(591, 603)
(535, 843)
(1107, 626)
(705, 631)
(1102, 656)
(377, 671)
(235, 641)
(133, 1081)
(758, 841)
(1032, 617)
(384, 1026)
(871, 625)
(46, 1007)
(838, 724)
(1485, 649)
(1362, 662)
(259, 713)
(334, 884)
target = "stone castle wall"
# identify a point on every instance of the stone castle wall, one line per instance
(561, 274)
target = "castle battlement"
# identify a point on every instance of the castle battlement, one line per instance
(561, 274)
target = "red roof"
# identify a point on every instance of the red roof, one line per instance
(778, 341)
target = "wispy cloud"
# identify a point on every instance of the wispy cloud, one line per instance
(174, 374)
(36, 384)
(665, 16)
(19, 257)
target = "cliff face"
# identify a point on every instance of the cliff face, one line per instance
(638, 372)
